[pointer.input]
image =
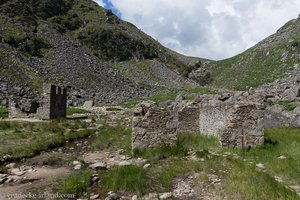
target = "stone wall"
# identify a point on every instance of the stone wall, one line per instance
(157, 127)
(213, 119)
(54, 104)
(237, 125)
(188, 118)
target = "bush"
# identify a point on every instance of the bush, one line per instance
(31, 45)
(49, 8)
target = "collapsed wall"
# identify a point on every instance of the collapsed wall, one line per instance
(237, 125)
(153, 126)
(53, 105)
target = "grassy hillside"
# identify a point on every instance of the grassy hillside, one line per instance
(267, 61)
(80, 44)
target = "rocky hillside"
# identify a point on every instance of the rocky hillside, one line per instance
(267, 61)
(80, 44)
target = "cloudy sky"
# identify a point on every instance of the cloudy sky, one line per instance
(214, 29)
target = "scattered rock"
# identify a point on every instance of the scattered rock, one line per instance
(147, 166)
(260, 166)
(214, 179)
(124, 163)
(135, 197)
(75, 162)
(151, 196)
(93, 197)
(98, 165)
(167, 195)
(10, 165)
(88, 104)
(281, 157)
(77, 167)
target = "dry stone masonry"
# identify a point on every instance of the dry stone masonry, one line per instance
(53, 105)
(236, 124)
(153, 126)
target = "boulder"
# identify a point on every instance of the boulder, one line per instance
(88, 104)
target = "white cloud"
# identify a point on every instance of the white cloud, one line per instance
(100, 2)
(213, 29)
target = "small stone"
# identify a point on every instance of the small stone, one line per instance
(14, 171)
(278, 179)
(77, 167)
(98, 165)
(96, 196)
(151, 196)
(11, 165)
(281, 157)
(260, 166)
(95, 179)
(147, 166)
(2, 180)
(124, 163)
(135, 197)
(9, 180)
(167, 195)
(75, 162)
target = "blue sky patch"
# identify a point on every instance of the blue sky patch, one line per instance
(109, 5)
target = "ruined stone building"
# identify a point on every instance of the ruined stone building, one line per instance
(236, 124)
(53, 105)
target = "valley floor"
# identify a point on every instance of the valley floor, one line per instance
(92, 159)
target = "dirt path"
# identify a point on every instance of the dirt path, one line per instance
(39, 178)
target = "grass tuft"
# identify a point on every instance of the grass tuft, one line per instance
(74, 110)
(288, 105)
(129, 178)
(76, 183)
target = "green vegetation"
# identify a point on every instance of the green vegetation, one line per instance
(116, 45)
(170, 94)
(113, 136)
(260, 64)
(74, 110)
(289, 106)
(24, 140)
(279, 142)
(3, 112)
(129, 178)
(198, 143)
(76, 183)
(236, 167)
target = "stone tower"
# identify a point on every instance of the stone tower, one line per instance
(54, 103)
